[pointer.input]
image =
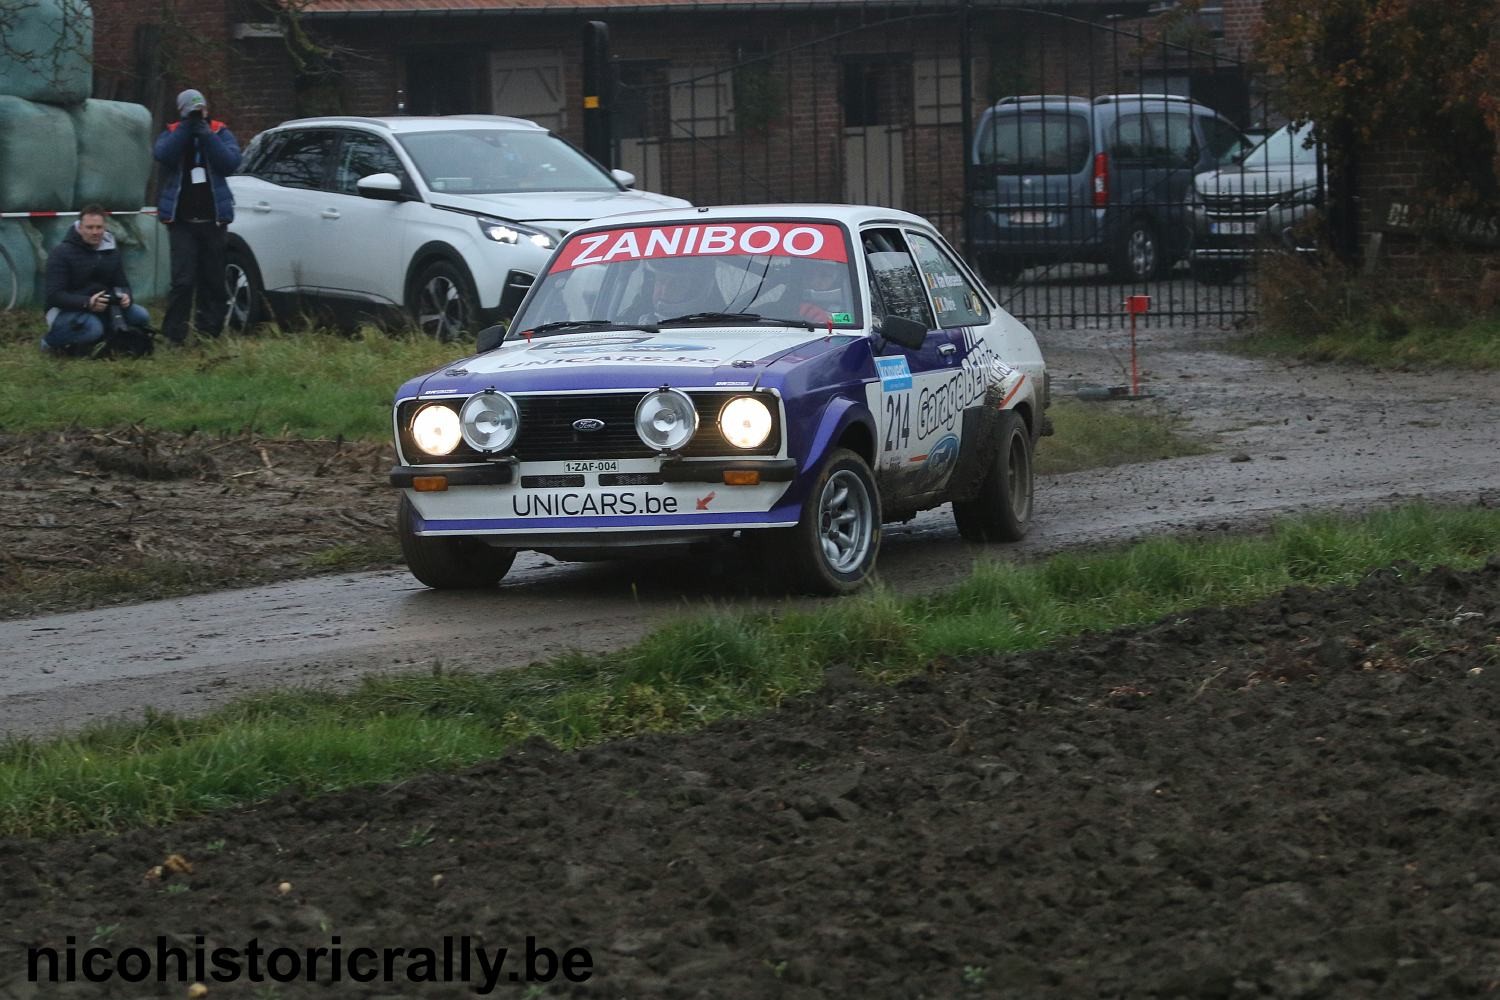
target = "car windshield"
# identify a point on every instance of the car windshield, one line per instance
(707, 275)
(501, 161)
(1034, 142)
(1283, 147)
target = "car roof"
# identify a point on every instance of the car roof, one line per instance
(1073, 102)
(401, 124)
(850, 215)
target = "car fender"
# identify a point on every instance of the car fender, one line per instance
(1007, 390)
(838, 417)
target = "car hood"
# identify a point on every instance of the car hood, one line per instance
(692, 357)
(563, 211)
(1233, 181)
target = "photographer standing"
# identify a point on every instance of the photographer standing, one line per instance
(85, 276)
(197, 155)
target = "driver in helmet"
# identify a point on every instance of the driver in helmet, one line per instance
(682, 286)
(825, 290)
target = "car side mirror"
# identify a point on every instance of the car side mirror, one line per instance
(625, 177)
(490, 338)
(381, 187)
(903, 331)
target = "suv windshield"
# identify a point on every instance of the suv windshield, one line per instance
(728, 274)
(1034, 142)
(1283, 147)
(501, 161)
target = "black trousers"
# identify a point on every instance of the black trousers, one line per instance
(197, 279)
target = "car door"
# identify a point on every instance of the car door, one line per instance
(911, 398)
(364, 241)
(279, 208)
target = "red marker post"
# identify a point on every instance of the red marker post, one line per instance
(1135, 305)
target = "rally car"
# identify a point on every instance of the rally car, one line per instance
(786, 377)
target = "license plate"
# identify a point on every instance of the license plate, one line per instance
(1030, 218)
(611, 465)
(1232, 228)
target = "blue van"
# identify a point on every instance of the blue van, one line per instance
(1061, 178)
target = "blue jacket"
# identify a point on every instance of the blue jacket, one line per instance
(221, 155)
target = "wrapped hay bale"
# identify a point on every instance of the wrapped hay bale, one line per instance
(48, 47)
(114, 154)
(20, 270)
(143, 244)
(38, 157)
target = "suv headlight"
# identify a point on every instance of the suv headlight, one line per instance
(435, 429)
(745, 422)
(489, 421)
(513, 233)
(666, 419)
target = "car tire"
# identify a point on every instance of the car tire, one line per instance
(1002, 510)
(833, 548)
(1215, 274)
(1138, 253)
(449, 563)
(246, 292)
(443, 302)
(999, 269)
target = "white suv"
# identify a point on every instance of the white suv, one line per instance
(447, 219)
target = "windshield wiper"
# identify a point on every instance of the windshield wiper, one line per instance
(715, 317)
(587, 324)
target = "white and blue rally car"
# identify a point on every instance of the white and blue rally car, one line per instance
(791, 376)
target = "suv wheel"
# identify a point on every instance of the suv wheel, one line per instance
(243, 288)
(443, 303)
(1217, 273)
(1138, 254)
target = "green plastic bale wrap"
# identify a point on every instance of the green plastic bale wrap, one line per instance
(20, 270)
(38, 157)
(114, 154)
(48, 50)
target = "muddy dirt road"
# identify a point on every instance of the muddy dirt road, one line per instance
(1287, 438)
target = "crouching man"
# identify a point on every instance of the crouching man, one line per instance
(85, 277)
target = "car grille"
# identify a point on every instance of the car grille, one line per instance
(548, 435)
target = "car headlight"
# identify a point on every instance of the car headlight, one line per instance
(490, 421)
(666, 419)
(745, 422)
(513, 233)
(435, 429)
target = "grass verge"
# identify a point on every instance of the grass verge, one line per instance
(682, 676)
(1096, 435)
(1471, 345)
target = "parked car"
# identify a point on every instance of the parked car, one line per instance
(1103, 180)
(442, 220)
(786, 377)
(1264, 201)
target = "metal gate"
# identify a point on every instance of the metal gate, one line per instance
(1126, 178)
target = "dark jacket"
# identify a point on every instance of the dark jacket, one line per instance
(76, 271)
(221, 155)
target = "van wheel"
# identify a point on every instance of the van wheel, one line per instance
(449, 563)
(443, 302)
(1002, 510)
(1138, 254)
(832, 549)
(243, 288)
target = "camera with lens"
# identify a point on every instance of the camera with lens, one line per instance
(116, 312)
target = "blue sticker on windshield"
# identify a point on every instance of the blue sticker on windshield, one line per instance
(894, 374)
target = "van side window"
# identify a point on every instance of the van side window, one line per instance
(956, 300)
(1160, 136)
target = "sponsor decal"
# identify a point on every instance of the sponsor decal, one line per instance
(637, 345)
(703, 502)
(942, 456)
(841, 318)
(604, 502)
(779, 239)
(894, 373)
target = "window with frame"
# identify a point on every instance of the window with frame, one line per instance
(362, 155)
(301, 161)
(896, 287)
(956, 300)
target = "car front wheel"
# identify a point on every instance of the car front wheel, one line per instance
(443, 303)
(449, 563)
(832, 549)
(1002, 510)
